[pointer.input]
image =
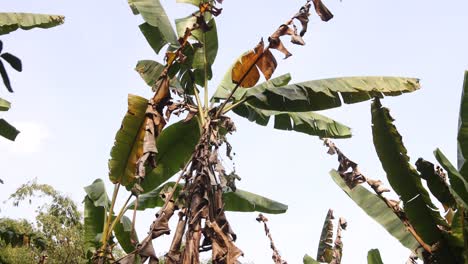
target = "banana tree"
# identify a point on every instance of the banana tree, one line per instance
(147, 154)
(415, 219)
(10, 22)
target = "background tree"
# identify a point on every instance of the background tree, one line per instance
(57, 233)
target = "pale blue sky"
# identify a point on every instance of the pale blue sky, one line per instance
(71, 97)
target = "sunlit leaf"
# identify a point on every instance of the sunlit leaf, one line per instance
(153, 13)
(309, 260)
(12, 21)
(4, 105)
(327, 93)
(128, 143)
(373, 257)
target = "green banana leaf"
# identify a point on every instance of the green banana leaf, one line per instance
(373, 257)
(12, 21)
(153, 13)
(463, 131)
(326, 93)
(128, 140)
(458, 184)
(205, 55)
(96, 202)
(405, 180)
(4, 105)
(310, 123)
(309, 260)
(123, 233)
(8, 131)
(153, 36)
(377, 210)
(175, 144)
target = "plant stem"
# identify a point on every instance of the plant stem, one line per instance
(206, 73)
(109, 215)
(234, 105)
(117, 219)
(200, 107)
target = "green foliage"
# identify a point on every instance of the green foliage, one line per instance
(309, 260)
(12, 21)
(95, 204)
(373, 257)
(153, 13)
(403, 178)
(57, 233)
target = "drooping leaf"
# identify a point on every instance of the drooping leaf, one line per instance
(97, 193)
(175, 145)
(458, 184)
(128, 143)
(325, 93)
(463, 131)
(149, 70)
(123, 233)
(154, 36)
(12, 21)
(406, 182)
(325, 248)
(4, 105)
(309, 260)
(153, 13)
(8, 131)
(322, 10)
(377, 210)
(95, 204)
(14, 61)
(436, 182)
(373, 257)
(243, 201)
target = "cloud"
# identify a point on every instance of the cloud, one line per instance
(29, 140)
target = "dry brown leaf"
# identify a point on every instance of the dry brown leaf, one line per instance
(245, 70)
(303, 17)
(275, 41)
(322, 10)
(267, 64)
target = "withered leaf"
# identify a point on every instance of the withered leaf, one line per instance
(162, 92)
(303, 17)
(322, 10)
(267, 64)
(244, 71)
(275, 41)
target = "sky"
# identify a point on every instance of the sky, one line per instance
(71, 96)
